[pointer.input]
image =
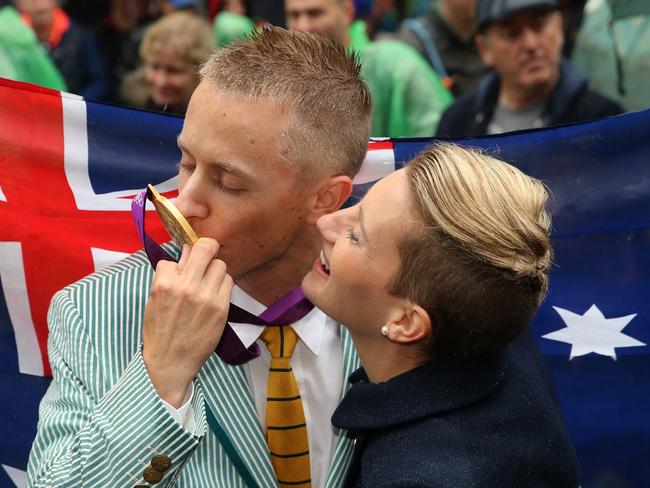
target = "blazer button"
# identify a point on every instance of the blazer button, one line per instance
(152, 476)
(161, 463)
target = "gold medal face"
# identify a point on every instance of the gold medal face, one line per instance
(173, 220)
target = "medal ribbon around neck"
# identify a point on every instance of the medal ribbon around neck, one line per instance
(287, 310)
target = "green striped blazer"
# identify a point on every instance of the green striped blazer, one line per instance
(101, 421)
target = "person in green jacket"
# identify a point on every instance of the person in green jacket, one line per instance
(408, 97)
(21, 56)
(230, 26)
(613, 50)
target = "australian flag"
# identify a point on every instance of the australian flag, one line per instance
(69, 168)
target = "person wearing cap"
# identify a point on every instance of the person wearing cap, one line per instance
(530, 84)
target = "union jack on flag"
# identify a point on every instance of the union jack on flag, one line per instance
(69, 169)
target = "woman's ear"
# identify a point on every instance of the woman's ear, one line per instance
(412, 327)
(329, 197)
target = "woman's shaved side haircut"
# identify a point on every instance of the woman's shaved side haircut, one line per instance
(316, 81)
(479, 266)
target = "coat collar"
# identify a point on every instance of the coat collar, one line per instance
(433, 388)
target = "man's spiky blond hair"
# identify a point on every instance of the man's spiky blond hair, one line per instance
(316, 80)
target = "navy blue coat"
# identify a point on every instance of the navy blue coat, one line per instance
(485, 422)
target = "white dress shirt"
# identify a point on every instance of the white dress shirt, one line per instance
(317, 364)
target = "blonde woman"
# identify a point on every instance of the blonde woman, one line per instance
(172, 50)
(435, 273)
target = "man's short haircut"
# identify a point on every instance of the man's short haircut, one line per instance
(319, 84)
(186, 34)
(480, 264)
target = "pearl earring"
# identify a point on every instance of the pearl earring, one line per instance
(384, 330)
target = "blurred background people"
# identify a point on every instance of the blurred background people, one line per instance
(139, 20)
(267, 12)
(408, 97)
(445, 38)
(171, 51)
(96, 47)
(530, 85)
(22, 58)
(613, 50)
(385, 16)
(73, 49)
(232, 22)
(170, 6)
(572, 12)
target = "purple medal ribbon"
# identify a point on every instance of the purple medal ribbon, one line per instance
(288, 309)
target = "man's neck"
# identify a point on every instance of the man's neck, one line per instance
(272, 280)
(517, 98)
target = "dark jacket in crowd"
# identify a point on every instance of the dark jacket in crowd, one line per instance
(81, 63)
(438, 43)
(571, 101)
(489, 422)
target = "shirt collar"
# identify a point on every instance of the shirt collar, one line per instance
(309, 328)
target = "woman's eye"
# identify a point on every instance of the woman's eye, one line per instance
(352, 235)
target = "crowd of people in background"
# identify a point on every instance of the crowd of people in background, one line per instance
(434, 67)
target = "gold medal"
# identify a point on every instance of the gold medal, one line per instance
(172, 219)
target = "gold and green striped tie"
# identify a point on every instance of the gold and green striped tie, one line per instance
(286, 432)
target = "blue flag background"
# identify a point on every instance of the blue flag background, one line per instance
(599, 176)
(593, 329)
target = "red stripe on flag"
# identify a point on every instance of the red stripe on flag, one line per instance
(40, 212)
(19, 85)
(378, 145)
(33, 181)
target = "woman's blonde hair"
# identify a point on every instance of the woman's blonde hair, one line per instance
(480, 265)
(186, 34)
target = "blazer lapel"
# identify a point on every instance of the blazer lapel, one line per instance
(229, 398)
(344, 444)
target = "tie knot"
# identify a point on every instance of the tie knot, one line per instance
(280, 340)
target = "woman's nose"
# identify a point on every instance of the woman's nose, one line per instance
(330, 226)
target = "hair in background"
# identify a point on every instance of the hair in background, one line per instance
(187, 35)
(316, 80)
(184, 34)
(480, 264)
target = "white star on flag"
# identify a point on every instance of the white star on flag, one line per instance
(18, 476)
(592, 332)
